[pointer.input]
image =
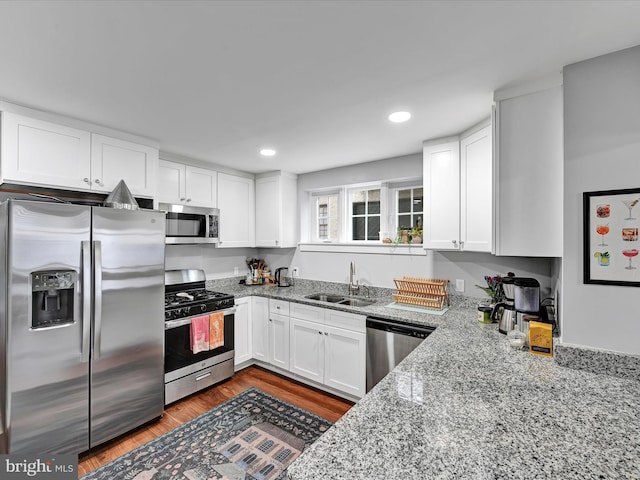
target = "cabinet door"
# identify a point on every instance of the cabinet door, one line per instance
(529, 166)
(279, 341)
(201, 187)
(307, 349)
(260, 328)
(113, 160)
(476, 191)
(268, 206)
(345, 357)
(236, 201)
(171, 182)
(43, 153)
(442, 191)
(242, 330)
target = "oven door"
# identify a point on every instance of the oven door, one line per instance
(179, 360)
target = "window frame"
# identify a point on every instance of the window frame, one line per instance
(389, 192)
(349, 190)
(315, 218)
(394, 192)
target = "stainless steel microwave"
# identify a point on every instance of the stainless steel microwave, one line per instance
(186, 224)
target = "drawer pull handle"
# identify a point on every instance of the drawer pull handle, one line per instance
(202, 377)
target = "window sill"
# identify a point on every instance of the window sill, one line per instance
(373, 248)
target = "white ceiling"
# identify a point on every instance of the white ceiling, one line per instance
(216, 81)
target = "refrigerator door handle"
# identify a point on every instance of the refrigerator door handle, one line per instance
(86, 301)
(97, 303)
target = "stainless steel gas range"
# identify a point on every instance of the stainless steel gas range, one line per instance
(186, 299)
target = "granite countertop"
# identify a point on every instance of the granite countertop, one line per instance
(464, 405)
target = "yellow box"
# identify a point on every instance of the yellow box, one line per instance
(541, 339)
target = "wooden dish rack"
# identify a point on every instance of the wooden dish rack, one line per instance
(423, 292)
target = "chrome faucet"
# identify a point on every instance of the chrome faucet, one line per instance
(354, 288)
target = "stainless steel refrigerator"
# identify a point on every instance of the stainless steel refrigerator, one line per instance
(81, 326)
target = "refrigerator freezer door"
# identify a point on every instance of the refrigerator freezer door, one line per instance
(127, 370)
(46, 398)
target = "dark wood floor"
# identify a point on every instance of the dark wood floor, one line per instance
(310, 399)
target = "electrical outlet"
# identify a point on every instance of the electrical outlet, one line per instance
(459, 285)
(236, 271)
(296, 272)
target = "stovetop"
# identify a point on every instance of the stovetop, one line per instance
(191, 302)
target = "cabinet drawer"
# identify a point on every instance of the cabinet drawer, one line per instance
(307, 312)
(346, 320)
(280, 307)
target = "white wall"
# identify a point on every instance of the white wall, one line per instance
(216, 262)
(473, 266)
(602, 152)
(371, 269)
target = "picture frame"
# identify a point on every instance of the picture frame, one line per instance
(611, 245)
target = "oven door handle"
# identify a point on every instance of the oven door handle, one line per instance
(186, 321)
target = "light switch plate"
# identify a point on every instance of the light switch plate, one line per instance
(459, 285)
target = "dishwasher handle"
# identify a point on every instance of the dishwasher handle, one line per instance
(409, 329)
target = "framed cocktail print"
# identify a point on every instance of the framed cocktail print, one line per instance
(611, 246)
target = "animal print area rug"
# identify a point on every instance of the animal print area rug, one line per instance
(251, 436)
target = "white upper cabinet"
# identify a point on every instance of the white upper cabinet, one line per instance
(476, 192)
(187, 185)
(276, 200)
(529, 166)
(458, 190)
(171, 182)
(202, 187)
(442, 193)
(113, 160)
(42, 153)
(45, 154)
(236, 201)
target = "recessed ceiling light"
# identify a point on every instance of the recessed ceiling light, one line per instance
(267, 152)
(399, 117)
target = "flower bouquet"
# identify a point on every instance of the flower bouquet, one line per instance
(493, 288)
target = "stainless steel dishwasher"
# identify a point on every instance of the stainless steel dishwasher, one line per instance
(388, 343)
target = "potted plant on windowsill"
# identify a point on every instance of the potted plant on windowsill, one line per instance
(416, 235)
(403, 235)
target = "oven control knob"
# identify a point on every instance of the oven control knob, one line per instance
(202, 308)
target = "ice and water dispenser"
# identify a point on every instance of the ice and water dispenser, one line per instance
(52, 295)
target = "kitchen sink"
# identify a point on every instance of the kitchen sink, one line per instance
(340, 300)
(325, 297)
(356, 302)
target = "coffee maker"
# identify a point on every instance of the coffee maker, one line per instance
(504, 312)
(526, 302)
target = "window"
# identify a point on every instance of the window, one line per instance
(362, 213)
(410, 203)
(365, 214)
(327, 217)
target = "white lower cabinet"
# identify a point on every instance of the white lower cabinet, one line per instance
(279, 340)
(327, 347)
(242, 330)
(325, 353)
(307, 349)
(270, 332)
(260, 331)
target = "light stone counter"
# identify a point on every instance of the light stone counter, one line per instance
(464, 405)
